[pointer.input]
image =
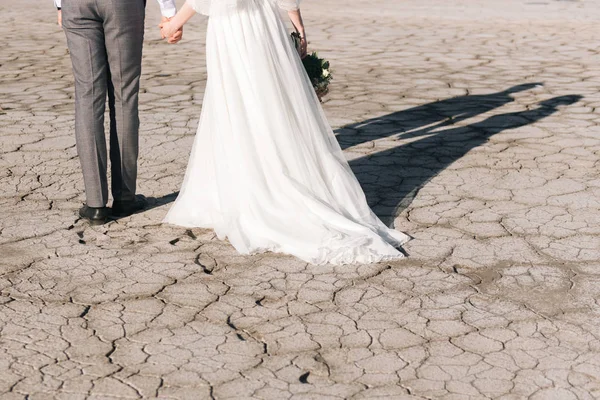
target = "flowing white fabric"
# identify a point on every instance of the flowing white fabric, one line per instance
(266, 171)
(216, 7)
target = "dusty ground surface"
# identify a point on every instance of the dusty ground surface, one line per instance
(472, 125)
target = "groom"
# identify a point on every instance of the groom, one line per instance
(105, 40)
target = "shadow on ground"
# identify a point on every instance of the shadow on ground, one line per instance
(392, 178)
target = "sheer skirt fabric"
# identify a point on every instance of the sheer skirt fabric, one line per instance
(220, 7)
(266, 171)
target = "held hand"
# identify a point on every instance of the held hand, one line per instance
(165, 28)
(60, 18)
(176, 37)
(168, 31)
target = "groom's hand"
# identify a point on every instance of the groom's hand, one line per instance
(175, 37)
(59, 18)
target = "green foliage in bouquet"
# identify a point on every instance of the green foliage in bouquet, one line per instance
(316, 68)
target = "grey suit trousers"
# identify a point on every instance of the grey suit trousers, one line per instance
(105, 40)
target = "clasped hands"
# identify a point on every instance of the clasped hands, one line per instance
(169, 32)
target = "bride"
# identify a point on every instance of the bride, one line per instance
(266, 171)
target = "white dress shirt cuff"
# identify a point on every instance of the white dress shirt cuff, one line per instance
(168, 11)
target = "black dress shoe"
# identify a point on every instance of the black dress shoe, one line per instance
(124, 208)
(96, 215)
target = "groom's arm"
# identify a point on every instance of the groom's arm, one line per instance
(57, 5)
(168, 8)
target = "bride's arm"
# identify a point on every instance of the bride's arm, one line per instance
(296, 18)
(167, 29)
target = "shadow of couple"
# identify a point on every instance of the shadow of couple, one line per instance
(392, 178)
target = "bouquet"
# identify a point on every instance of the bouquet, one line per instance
(316, 68)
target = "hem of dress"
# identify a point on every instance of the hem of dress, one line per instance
(347, 256)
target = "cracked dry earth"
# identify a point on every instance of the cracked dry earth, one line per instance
(472, 125)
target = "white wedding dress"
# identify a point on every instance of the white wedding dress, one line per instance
(266, 171)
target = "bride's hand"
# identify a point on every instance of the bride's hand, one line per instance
(303, 45)
(169, 32)
(296, 18)
(176, 37)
